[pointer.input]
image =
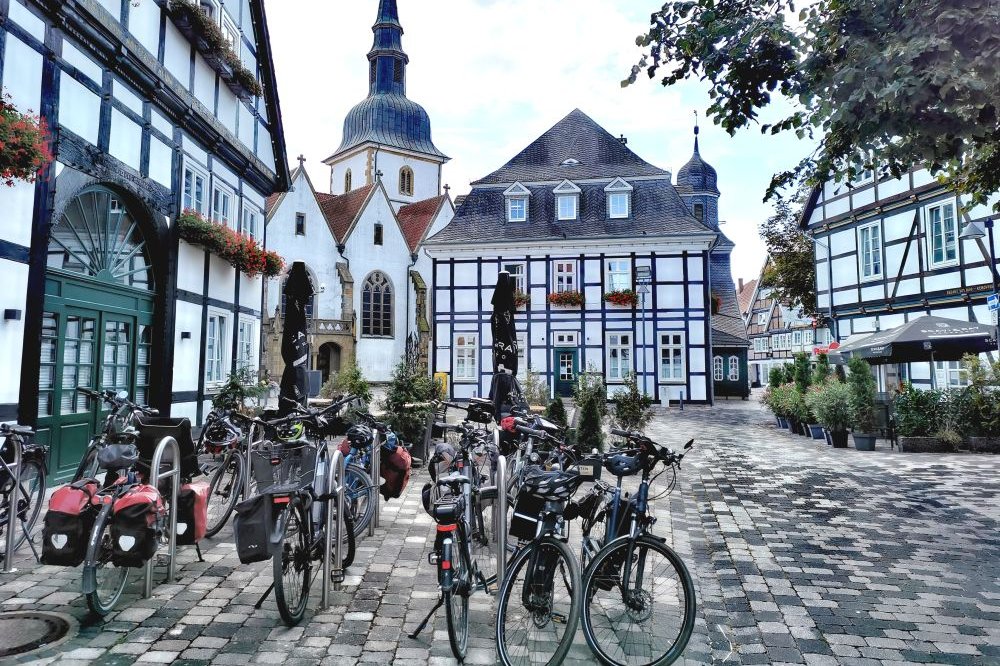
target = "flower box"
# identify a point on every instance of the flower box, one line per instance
(24, 144)
(568, 298)
(623, 297)
(521, 299)
(241, 251)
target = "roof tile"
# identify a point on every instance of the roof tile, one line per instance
(341, 210)
(415, 218)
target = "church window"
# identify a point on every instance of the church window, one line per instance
(300, 224)
(699, 212)
(406, 181)
(195, 184)
(347, 181)
(378, 234)
(397, 70)
(567, 206)
(376, 306)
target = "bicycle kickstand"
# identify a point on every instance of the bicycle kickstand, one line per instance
(263, 598)
(428, 618)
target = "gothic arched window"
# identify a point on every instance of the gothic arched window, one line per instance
(406, 181)
(347, 181)
(376, 306)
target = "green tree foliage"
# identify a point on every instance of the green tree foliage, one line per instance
(349, 381)
(802, 372)
(776, 376)
(878, 83)
(863, 394)
(822, 370)
(241, 392)
(840, 374)
(590, 395)
(916, 411)
(556, 412)
(535, 390)
(632, 408)
(407, 399)
(791, 271)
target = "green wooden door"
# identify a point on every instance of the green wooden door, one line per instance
(564, 361)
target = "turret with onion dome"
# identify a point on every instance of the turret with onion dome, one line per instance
(698, 175)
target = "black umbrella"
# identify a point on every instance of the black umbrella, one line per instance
(505, 391)
(923, 339)
(294, 339)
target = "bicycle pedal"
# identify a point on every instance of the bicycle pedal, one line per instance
(559, 618)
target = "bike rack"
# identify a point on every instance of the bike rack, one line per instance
(248, 470)
(8, 560)
(376, 475)
(335, 484)
(500, 518)
(155, 477)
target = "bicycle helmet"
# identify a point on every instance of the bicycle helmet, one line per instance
(623, 465)
(291, 432)
(557, 485)
(218, 438)
(359, 436)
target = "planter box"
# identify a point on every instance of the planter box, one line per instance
(839, 439)
(816, 430)
(826, 434)
(864, 442)
(984, 444)
(924, 445)
(782, 422)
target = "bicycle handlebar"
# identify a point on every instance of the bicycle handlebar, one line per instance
(304, 413)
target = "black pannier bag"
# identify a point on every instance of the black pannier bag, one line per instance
(251, 528)
(68, 523)
(527, 513)
(133, 528)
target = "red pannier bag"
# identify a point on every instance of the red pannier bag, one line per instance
(133, 528)
(394, 469)
(68, 523)
(345, 447)
(192, 513)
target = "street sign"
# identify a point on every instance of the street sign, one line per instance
(993, 302)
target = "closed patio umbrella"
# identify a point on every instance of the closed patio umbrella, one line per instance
(505, 391)
(298, 291)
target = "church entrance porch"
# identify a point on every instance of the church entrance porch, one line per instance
(328, 359)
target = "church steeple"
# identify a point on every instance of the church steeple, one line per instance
(696, 133)
(387, 73)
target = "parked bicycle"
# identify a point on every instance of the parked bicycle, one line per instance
(24, 503)
(638, 597)
(227, 437)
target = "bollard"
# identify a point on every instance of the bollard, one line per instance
(334, 484)
(376, 472)
(155, 478)
(500, 518)
(15, 471)
(680, 399)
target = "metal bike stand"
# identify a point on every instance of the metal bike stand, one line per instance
(15, 472)
(331, 571)
(500, 518)
(173, 473)
(428, 432)
(376, 473)
(248, 469)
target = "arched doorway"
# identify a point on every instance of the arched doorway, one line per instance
(97, 321)
(328, 359)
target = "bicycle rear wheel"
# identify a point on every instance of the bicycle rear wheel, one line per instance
(639, 603)
(359, 497)
(27, 499)
(104, 580)
(456, 599)
(483, 539)
(292, 565)
(224, 492)
(538, 610)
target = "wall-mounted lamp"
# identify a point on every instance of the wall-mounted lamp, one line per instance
(185, 335)
(11, 314)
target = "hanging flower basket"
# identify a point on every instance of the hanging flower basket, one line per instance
(24, 144)
(239, 250)
(521, 299)
(624, 297)
(566, 298)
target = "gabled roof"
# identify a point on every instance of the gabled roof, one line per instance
(745, 296)
(271, 201)
(575, 137)
(721, 335)
(342, 210)
(416, 218)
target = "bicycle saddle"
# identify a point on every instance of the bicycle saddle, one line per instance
(556, 485)
(454, 480)
(623, 465)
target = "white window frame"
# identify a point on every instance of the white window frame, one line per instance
(734, 364)
(618, 274)
(517, 209)
(796, 338)
(953, 374)
(468, 351)
(217, 352)
(219, 188)
(675, 341)
(618, 347)
(571, 211)
(246, 343)
(190, 203)
(231, 33)
(520, 276)
(252, 230)
(522, 354)
(564, 280)
(808, 337)
(619, 205)
(931, 236)
(762, 319)
(717, 368)
(870, 252)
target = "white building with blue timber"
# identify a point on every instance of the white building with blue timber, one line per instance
(574, 217)
(147, 121)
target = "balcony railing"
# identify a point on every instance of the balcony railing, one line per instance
(331, 326)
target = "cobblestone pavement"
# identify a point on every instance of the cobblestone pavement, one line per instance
(801, 554)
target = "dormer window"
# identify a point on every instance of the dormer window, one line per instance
(517, 202)
(619, 199)
(567, 201)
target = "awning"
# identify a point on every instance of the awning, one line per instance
(926, 338)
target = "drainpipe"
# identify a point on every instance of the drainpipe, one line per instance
(340, 250)
(413, 262)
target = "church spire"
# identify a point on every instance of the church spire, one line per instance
(387, 73)
(695, 133)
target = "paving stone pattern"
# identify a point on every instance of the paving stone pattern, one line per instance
(800, 553)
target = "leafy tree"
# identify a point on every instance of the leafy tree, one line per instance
(633, 409)
(791, 271)
(410, 386)
(556, 412)
(863, 394)
(349, 381)
(885, 84)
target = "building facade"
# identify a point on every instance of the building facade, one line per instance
(146, 122)
(361, 240)
(579, 221)
(888, 251)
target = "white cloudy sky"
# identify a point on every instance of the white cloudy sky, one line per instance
(495, 74)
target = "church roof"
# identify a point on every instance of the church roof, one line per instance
(575, 137)
(416, 218)
(342, 210)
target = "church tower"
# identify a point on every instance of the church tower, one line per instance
(697, 183)
(387, 135)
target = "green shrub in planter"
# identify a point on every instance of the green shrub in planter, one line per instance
(831, 403)
(776, 376)
(915, 411)
(801, 372)
(556, 412)
(840, 375)
(863, 394)
(822, 371)
(980, 403)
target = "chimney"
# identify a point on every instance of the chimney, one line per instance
(741, 285)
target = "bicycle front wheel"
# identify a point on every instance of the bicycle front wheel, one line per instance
(103, 581)
(292, 565)
(224, 491)
(538, 609)
(27, 499)
(639, 606)
(359, 497)
(456, 599)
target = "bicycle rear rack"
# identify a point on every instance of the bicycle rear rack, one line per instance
(174, 473)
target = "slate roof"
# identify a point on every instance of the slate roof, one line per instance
(340, 211)
(414, 219)
(697, 175)
(720, 336)
(728, 319)
(576, 137)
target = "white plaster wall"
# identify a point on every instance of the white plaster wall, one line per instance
(88, 67)
(425, 177)
(15, 279)
(18, 206)
(190, 267)
(264, 149)
(221, 279)
(126, 139)
(898, 226)
(79, 109)
(228, 104)
(144, 24)
(23, 82)
(161, 162)
(24, 18)
(893, 186)
(246, 126)
(187, 353)
(356, 163)
(204, 83)
(177, 55)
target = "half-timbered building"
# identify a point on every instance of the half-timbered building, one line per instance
(148, 118)
(580, 222)
(887, 251)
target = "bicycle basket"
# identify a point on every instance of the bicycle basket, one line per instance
(284, 467)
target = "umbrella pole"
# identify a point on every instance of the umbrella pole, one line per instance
(933, 372)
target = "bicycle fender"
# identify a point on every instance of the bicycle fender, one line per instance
(92, 548)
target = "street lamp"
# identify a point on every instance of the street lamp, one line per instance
(643, 278)
(974, 231)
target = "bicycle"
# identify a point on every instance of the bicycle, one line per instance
(286, 472)
(228, 434)
(638, 597)
(28, 497)
(119, 426)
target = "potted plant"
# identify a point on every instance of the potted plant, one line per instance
(796, 409)
(832, 405)
(24, 144)
(863, 389)
(978, 406)
(916, 416)
(623, 297)
(568, 298)
(802, 375)
(814, 422)
(521, 299)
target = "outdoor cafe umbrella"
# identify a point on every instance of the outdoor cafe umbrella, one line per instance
(505, 389)
(298, 291)
(926, 338)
